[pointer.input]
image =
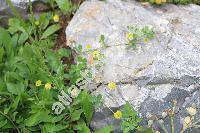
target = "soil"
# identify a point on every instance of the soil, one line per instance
(64, 21)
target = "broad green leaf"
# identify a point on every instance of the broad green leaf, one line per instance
(15, 39)
(50, 30)
(53, 60)
(36, 118)
(44, 20)
(64, 52)
(52, 128)
(14, 25)
(76, 115)
(87, 106)
(64, 5)
(23, 37)
(82, 127)
(3, 122)
(15, 88)
(5, 39)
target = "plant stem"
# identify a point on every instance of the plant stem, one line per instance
(13, 9)
(163, 127)
(172, 124)
(10, 121)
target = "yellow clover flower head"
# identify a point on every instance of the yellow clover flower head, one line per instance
(146, 40)
(48, 86)
(187, 122)
(88, 46)
(129, 36)
(37, 23)
(95, 54)
(38, 83)
(118, 114)
(112, 85)
(56, 18)
(192, 111)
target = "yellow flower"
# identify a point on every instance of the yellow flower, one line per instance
(164, 1)
(88, 46)
(56, 18)
(192, 111)
(157, 132)
(112, 85)
(146, 40)
(74, 93)
(48, 86)
(129, 36)
(164, 114)
(118, 114)
(38, 83)
(187, 122)
(158, 1)
(95, 54)
(37, 23)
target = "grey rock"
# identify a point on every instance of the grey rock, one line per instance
(154, 74)
(22, 8)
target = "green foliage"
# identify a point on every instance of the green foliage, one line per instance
(33, 30)
(50, 30)
(139, 35)
(130, 119)
(66, 6)
(26, 57)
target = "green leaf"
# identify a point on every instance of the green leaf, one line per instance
(16, 102)
(6, 40)
(82, 127)
(64, 5)
(76, 115)
(107, 129)
(1, 54)
(15, 88)
(52, 128)
(64, 52)
(44, 20)
(36, 118)
(53, 60)
(14, 25)
(87, 106)
(23, 37)
(50, 30)
(3, 123)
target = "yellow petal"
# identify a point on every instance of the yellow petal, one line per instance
(48, 86)
(112, 85)
(192, 111)
(118, 114)
(56, 18)
(38, 83)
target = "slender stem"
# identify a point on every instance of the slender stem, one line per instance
(172, 124)
(13, 9)
(109, 108)
(163, 127)
(10, 121)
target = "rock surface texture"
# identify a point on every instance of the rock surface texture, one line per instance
(154, 74)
